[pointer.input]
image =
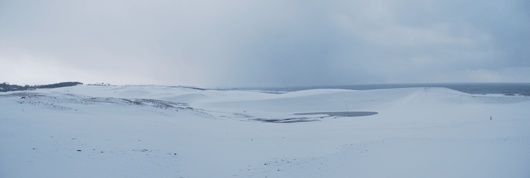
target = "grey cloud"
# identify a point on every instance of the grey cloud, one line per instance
(265, 43)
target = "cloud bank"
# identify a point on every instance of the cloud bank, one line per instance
(264, 43)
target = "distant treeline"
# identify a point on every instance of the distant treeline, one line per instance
(5, 87)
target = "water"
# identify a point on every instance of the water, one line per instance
(509, 89)
(341, 113)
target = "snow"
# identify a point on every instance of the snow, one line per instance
(158, 131)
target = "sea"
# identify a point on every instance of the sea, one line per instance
(508, 89)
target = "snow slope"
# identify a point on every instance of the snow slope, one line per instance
(157, 131)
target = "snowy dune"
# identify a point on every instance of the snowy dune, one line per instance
(156, 131)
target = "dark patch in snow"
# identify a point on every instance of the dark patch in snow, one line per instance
(341, 114)
(310, 119)
(288, 120)
(53, 101)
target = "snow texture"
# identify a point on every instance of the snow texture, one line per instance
(156, 131)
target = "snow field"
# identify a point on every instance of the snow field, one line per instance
(154, 131)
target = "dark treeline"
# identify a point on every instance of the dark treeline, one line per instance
(5, 87)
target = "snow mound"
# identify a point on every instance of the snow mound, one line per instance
(133, 93)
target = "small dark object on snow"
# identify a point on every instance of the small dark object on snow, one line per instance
(33, 148)
(174, 153)
(78, 150)
(490, 118)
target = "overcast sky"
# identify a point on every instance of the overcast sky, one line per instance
(231, 43)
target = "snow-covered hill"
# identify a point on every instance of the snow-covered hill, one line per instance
(156, 131)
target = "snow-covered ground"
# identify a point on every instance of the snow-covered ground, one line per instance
(157, 131)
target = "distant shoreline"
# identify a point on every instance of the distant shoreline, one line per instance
(5, 87)
(509, 89)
